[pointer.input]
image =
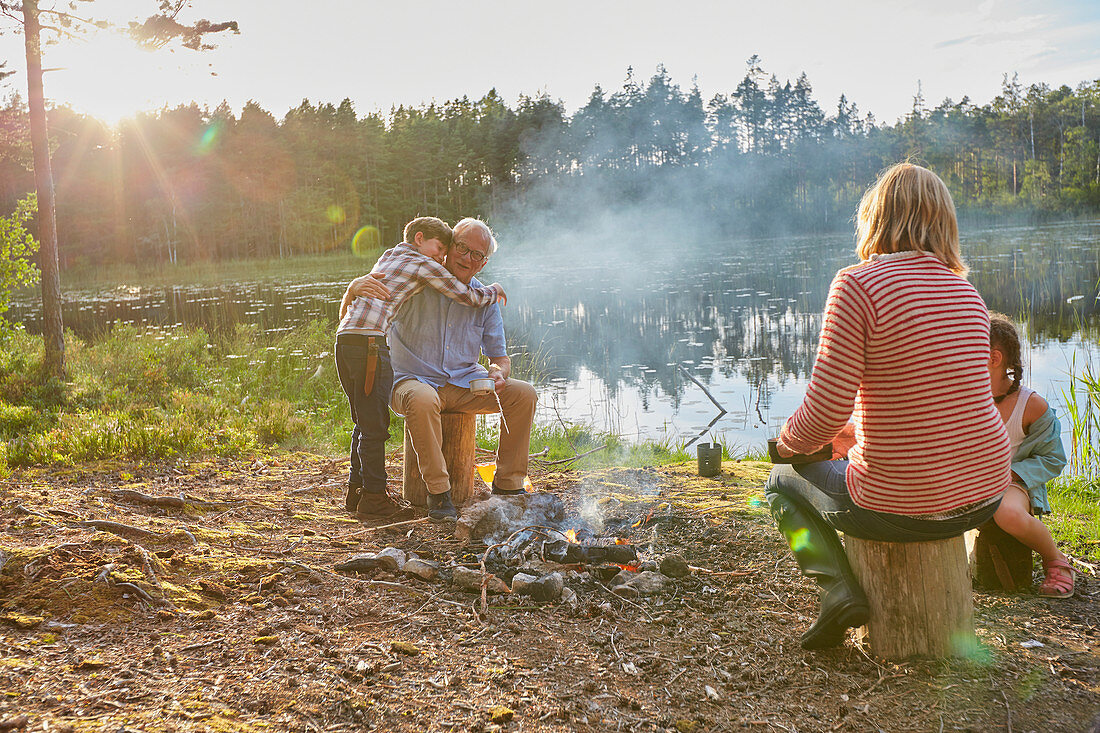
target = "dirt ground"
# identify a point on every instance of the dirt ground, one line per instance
(224, 613)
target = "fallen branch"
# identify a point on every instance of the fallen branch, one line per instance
(169, 502)
(136, 497)
(706, 391)
(117, 528)
(372, 583)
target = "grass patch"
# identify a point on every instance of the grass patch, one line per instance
(1075, 520)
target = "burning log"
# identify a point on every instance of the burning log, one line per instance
(592, 554)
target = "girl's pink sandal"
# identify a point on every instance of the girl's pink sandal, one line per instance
(1058, 584)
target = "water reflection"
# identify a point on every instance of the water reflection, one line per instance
(610, 327)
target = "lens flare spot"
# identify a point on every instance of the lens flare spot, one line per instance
(335, 214)
(756, 502)
(366, 240)
(799, 539)
(209, 138)
(965, 644)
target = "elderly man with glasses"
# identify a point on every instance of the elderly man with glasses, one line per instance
(435, 344)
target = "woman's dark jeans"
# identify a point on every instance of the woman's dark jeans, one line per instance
(822, 486)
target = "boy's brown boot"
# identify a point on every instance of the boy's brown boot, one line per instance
(375, 505)
(351, 500)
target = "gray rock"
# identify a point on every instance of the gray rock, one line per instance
(423, 569)
(568, 595)
(521, 583)
(621, 578)
(674, 566)
(548, 587)
(648, 565)
(392, 559)
(360, 563)
(648, 583)
(626, 591)
(469, 580)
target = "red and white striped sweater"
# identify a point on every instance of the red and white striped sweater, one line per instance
(905, 349)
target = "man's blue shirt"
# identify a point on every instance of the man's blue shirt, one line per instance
(438, 341)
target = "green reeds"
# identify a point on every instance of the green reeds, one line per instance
(1082, 401)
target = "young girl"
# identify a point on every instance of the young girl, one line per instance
(1037, 456)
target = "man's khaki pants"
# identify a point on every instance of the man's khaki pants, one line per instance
(421, 404)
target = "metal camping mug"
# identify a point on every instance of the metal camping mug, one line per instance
(482, 386)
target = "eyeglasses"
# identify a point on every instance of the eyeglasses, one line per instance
(462, 249)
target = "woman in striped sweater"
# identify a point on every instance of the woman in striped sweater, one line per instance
(903, 353)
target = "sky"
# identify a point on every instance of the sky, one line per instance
(383, 54)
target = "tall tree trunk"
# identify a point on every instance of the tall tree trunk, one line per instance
(53, 331)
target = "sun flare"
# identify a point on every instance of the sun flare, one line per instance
(110, 77)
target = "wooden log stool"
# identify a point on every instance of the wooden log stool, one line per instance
(998, 561)
(920, 597)
(458, 454)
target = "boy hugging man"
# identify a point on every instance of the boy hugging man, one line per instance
(363, 359)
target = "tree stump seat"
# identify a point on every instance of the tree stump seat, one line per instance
(458, 453)
(920, 597)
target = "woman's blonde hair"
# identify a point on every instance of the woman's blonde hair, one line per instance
(909, 209)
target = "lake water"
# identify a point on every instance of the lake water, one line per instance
(614, 332)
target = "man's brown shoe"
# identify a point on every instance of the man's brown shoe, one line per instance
(375, 505)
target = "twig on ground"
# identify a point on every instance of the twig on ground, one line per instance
(394, 524)
(1088, 566)
(396, 618)
(314, 487)
(201, 645)
(729, 573)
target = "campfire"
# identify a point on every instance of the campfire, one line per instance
(533, 547)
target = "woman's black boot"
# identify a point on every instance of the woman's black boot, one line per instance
(819, 554)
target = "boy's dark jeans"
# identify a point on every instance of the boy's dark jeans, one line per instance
(371, 412)
(823, 487)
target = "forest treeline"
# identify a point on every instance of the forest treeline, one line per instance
(191, 183)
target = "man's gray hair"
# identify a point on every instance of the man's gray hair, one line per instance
(470, 222)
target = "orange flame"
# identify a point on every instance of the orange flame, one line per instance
(571, 535)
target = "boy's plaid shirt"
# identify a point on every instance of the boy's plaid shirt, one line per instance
(406, 272)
